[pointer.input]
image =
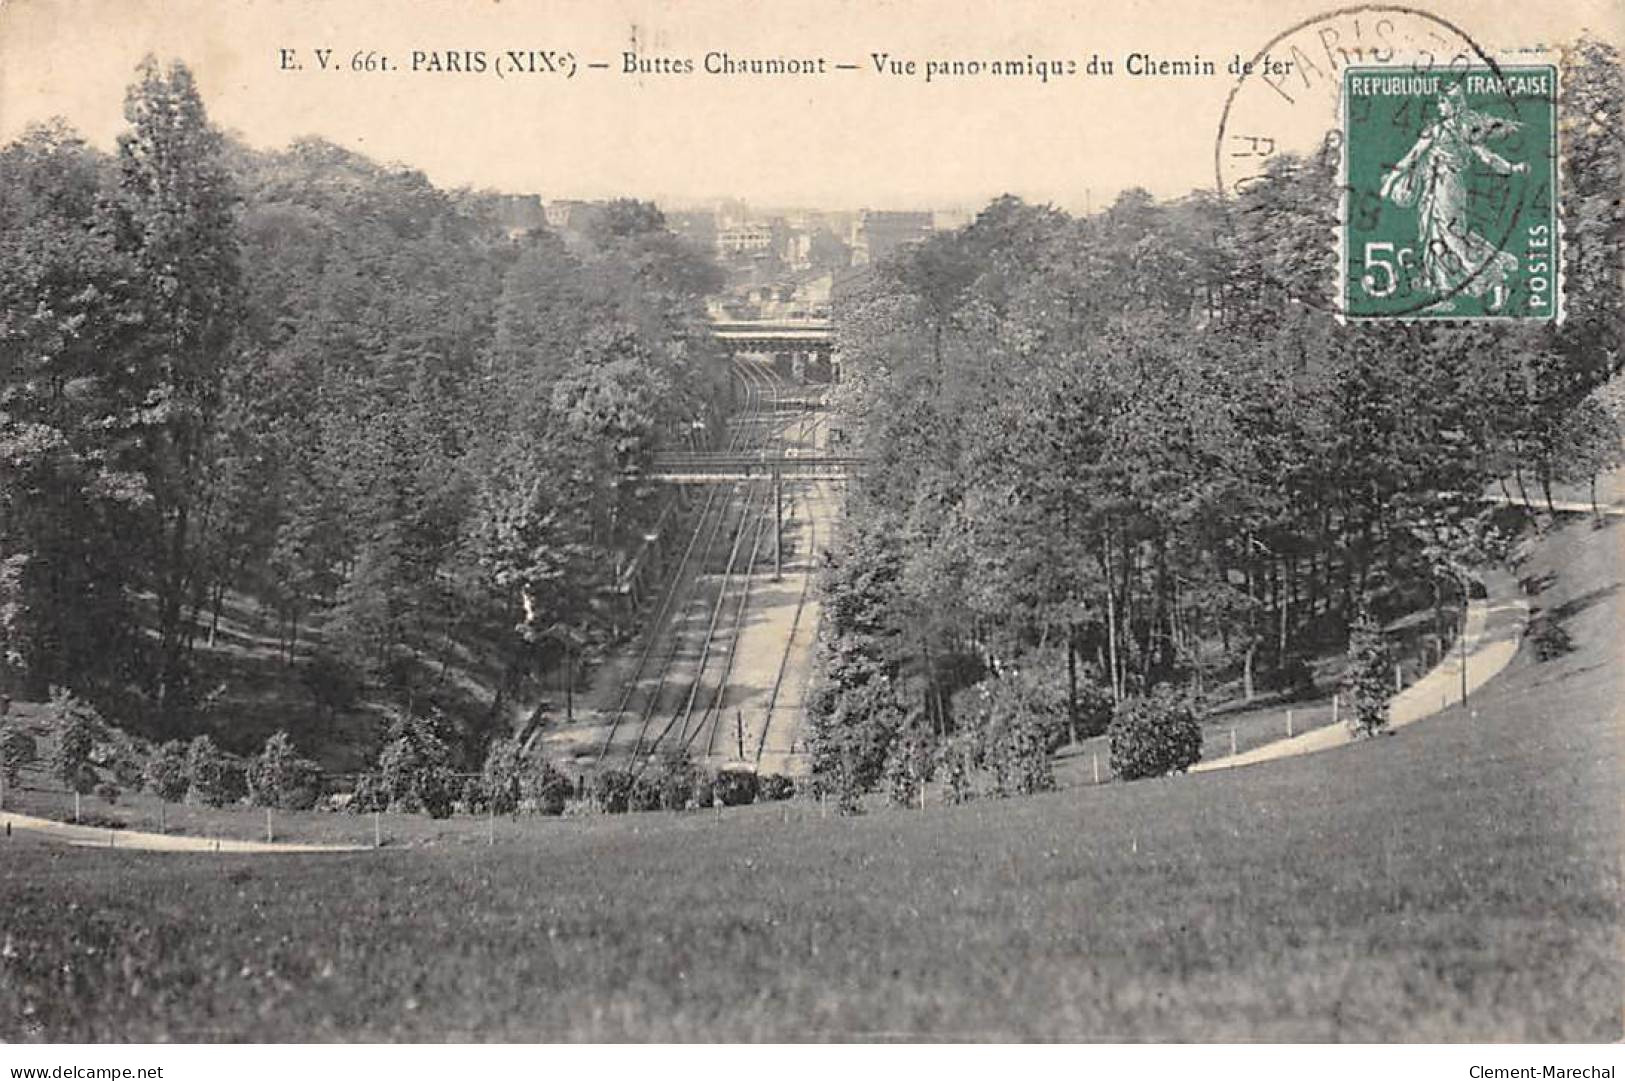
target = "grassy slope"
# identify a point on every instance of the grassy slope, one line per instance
(1458, 881)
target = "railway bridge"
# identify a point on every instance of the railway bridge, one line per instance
(799, 346)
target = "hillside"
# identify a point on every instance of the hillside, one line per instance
(1456, 881)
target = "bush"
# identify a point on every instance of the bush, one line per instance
(704, 793)
(646, 794)
(280, 778)
(415, 770)
(1369, 678)
(500, 778)
(958, 762)
(17, 749)
(776, 786)
(108, 791)
(167, 775)
(77, 726)
(208, 774)
(1551, 640)
(612, 791)
(1012, 724)
(676, 779)
(371, 794)
(1154, 734)
(1093, 712)
(907, 766)
(544, 786)
(735, 787)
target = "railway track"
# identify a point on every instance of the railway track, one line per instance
(820, 491)
(708, 523)
(678, 692)
(735, 579)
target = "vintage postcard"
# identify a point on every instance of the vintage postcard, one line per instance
(703, 521)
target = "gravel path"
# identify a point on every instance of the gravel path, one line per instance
(96, 837)
(1495, 625)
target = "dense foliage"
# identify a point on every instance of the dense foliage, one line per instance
(1154, 734)
(1138, 448)
(319, 394)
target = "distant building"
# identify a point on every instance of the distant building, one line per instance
(745, 239)
(566, 214)
(881, 232)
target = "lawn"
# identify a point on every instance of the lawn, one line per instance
(1456, 881)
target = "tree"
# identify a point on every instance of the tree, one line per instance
(1154, 734)
(71, 487)
(167, 776)
(17, 749)
(414, 767)
(208, 773)
(173, 219)
(1369, 678)
(77, 726)
(278, 777)
(502, 775)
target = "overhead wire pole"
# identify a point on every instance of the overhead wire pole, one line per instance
(778, 522)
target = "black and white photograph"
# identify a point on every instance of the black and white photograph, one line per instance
(714, 523)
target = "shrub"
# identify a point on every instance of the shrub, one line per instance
(544, 786)
(735, 787)
(704, 793)
(280, 778)
(612, 790)
(907, 766)
(500, 776)
(855, 713)
(1094, 707)
(108, 791)
(1154, 734)
(1369, 678)
(646, 794)
(958, 762)
(415, 770)
(207, 772)
(676, 779)
(1550, 638)
(17, 749)
(167, 775)
(776, 786)
(77, 726)
(371, 794)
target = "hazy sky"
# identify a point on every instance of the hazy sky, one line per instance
(844, 139)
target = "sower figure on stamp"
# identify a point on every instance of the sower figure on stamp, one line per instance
(1433, 177)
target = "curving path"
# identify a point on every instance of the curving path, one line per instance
(97, 837)
(1495, 626)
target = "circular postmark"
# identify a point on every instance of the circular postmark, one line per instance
(1428, 144)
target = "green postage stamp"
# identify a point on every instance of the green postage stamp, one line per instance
(1450, 194)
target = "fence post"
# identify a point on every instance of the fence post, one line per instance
(1095, 758)
(377, 831)
(1232, 741)
(1399, 679)
(268, 834)
(1289, 724)
(1337, 700)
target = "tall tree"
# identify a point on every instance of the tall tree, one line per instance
(174, 219)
